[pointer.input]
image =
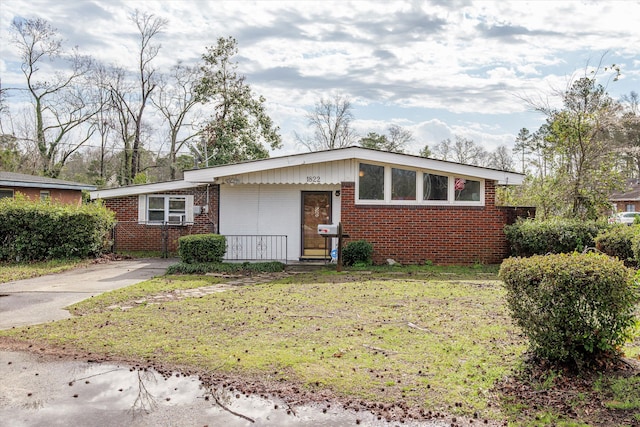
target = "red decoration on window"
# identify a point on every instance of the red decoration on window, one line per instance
(459, 185)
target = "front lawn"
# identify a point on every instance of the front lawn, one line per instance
(402, 344)
(17, 271)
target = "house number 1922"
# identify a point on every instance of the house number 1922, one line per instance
(313, 179)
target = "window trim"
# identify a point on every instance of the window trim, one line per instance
(387, 200)
(143, 209)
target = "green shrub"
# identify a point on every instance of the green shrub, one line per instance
(635, 246)
(198, 248)
(617, 242)
(531, 237)
(31, 231)
(572, 307)
(218, 267)
(357, 252)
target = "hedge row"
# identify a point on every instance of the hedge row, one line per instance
(531, 237)
(225, 267)
(33, 231)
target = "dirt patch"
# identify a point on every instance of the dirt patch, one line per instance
(106, 258)
(292, 394)
(541, 388)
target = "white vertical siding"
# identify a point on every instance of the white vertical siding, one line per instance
(268, 209)
(327, 173)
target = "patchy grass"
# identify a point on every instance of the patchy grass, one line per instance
(539, 395)
(17, 271)
(156, 286)
(620, 393)
(451, 272)
(434, 339)
(437, 345)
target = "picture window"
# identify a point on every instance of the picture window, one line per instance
(371, 182)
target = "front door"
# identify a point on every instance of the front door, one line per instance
(316, 209)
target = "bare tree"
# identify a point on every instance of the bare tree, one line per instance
(331, 125)
(62, 103)
(175, 98)
(131, 105)
(104, 122)
(399, 137)
(462, 150)
(501, 159)
(627, 134)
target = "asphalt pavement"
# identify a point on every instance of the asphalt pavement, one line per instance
(43, 299)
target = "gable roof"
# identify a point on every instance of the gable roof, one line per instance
(348, 153)
(632, 192)
(13, 179)
(195, 177)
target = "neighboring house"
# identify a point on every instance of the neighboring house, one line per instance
(628, 200)
(412, 209)
(42, 188)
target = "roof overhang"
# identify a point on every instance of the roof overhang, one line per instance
(359, 153)
(134, 190)
(35, 184)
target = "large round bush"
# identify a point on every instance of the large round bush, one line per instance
(572, 307)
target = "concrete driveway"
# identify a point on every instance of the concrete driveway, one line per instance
(43, 299)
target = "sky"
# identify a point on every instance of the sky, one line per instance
(437, 68)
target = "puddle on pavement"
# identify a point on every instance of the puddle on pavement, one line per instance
(34, 392)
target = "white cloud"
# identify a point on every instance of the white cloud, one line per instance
(432, 62)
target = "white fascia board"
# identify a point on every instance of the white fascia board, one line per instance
(134, 190)
(210, 174)
(502, 177)
(359, 153)
(78, 187)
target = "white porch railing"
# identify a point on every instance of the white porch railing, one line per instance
(256, 248)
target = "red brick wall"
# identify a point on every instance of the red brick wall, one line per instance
(622, 206)
(131, 236)
(440, 234)
(69, 197)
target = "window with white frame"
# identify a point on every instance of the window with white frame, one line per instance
(371, 182)
(45, 195)
(169, 209)
(403, 184)
(466, 190)
(6, 192)
(434, 187)
(388, 184)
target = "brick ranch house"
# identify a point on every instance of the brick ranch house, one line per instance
(412, 209)
(627, 200)
(42, 188)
